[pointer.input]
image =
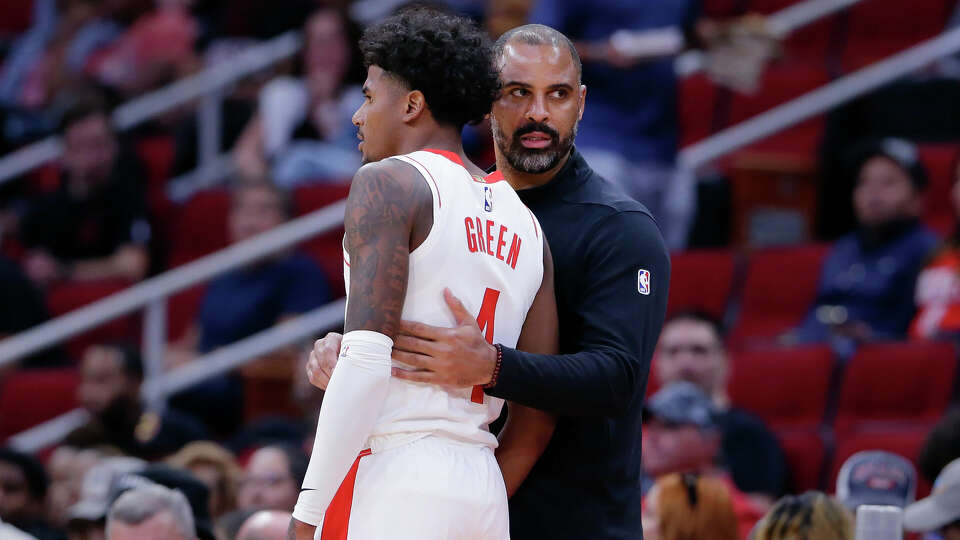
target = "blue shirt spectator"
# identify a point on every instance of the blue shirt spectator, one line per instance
(867, 282)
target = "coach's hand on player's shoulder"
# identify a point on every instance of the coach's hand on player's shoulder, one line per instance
(457, 356)
(323, 358)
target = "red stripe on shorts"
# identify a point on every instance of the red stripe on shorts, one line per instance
(336, 520)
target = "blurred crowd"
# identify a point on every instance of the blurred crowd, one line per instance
(210, 466)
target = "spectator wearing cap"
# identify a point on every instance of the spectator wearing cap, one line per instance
(95, 225)
(689, 507)
(110, 379)
(265, 525)
(272, 478)
(875, 477)
(23, 487)
(216, 467)
(681, 434)
(66, 467)
(246, 301)
(86, 519)
(691, 348)
(867, 283)
(812, 515)
(150, 511)
(938, 287)
(940, 512)
(182, 482)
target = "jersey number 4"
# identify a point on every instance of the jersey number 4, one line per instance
(488, 311)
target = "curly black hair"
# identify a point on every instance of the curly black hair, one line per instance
(446, 57)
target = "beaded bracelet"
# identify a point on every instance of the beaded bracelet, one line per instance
(496, 368)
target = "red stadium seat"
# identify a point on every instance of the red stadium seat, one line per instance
(878, 29)
(780, 287)
(904, 440)
(201, 226)
(15, 17)
(29, 397)
(701, 279)
(940, 161)
(697, 101)
(66, 297)
(886, 382)
(806, 457)
(325, 249)
(787, 388)
(182, 311)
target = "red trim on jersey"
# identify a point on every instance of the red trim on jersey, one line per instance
(494, 177)
(447, 154)
(439, 200)
(336, 520)
(534, 220)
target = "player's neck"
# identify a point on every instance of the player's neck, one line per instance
(522, 180)
(440, 139)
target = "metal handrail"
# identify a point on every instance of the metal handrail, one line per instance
(159, 287)
(210, 81)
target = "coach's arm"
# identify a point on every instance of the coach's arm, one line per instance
(617, 319)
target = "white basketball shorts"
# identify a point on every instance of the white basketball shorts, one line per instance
(429, 489)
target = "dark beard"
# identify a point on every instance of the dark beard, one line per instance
(530, 160)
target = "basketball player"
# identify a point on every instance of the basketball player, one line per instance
(422, 224)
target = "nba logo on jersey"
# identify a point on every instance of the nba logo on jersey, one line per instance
(487, 199)
(643, 281)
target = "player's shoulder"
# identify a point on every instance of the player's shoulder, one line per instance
(386, 171)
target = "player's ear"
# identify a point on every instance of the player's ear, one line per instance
(415, 105)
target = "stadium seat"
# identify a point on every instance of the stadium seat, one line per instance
(902, 439)
(809, 44)
(877, 29)
(779, 289)
(201, 226)
(787, 388)
(940, 161)
(182, 311)
(66, 297)
(697, 98)
(897, 382)
(806, 457)
(701, 279)
(325, 249)
(28, 397)
(15, 17)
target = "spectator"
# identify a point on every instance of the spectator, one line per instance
(265, 525)
(940, 512)
(867, 282)
(229, 525)
(216, 468)
(23, 307)
(691, 348)
(941, 447)
(245, 301)
(630, 135)
(9, 532)
(938, 287)
(176, 479)
(303, 129)
(273, 478)
(876, 478)
(110, 379)
(94, 226)
(67, 467)
(151, 511)
(87, 518)
(689, 507)
(681, 435)
(808, 516)
(23, 486)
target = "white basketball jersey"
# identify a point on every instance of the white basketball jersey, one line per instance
(487, 248)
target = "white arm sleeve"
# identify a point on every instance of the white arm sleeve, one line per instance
(351, 405)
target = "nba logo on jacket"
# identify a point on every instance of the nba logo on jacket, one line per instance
(643, 281)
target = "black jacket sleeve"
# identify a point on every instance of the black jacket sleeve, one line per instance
(619, 326)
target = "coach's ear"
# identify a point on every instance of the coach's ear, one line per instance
(416, 106)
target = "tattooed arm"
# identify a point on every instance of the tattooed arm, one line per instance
(389, 213)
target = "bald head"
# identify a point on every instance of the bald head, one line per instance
(265, 525)
(536, 34)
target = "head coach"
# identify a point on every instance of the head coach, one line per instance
(612, 275)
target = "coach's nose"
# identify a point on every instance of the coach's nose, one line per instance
(537, 112)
